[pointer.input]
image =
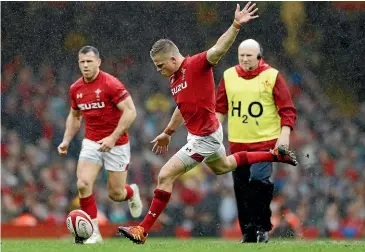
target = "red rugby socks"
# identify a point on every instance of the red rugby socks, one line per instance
(130, 192)
(88, 205)
(159, 203)
(245, 158)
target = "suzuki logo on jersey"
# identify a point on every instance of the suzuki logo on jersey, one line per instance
(79, 96)
(93, 105)
(179, 87)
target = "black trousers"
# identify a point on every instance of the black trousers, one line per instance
(254, 193)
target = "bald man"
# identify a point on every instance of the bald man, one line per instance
(261, 116)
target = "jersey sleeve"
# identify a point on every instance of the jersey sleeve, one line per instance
(284, 102)
(221, 105)
(200, 60)
(72, 99)
(118, 92)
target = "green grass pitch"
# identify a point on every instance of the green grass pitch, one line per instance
(175, 245)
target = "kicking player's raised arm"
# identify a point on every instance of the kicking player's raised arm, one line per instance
(215, 53)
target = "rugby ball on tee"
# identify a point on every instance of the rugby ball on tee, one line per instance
(79, 224)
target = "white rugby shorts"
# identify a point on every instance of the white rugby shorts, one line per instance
(117, 159)
(202, 149)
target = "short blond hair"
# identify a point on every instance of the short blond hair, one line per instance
(164, 46)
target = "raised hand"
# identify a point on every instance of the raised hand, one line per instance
(245, 15)
(161, 143)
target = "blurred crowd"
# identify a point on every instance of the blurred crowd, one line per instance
(324, 194)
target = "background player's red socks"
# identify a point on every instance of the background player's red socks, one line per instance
(130, 192)
(245, 158)
(159, 203)
(88, 205)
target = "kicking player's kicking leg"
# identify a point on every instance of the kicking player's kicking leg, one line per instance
(198, 149)
(219, 163)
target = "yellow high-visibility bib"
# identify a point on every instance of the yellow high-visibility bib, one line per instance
(252, 113)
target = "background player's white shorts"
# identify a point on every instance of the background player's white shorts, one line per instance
(202, 148)
(116, 160)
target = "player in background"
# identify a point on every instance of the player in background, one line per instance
(261, 114)
(109, 111)
(192, 85)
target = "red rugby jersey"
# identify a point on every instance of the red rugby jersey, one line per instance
(97, 101)
(193, 89)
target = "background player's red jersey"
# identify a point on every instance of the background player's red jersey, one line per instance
(193, 89)
(97, 101)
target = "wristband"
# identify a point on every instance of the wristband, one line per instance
(236, 24)
(169, 131)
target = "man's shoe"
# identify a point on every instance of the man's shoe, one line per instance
(249, 234)
(79, 240)
(134, 233)
(94, 238)
(135, 203)
(283, 155)
(262, 236)
(249, 238)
